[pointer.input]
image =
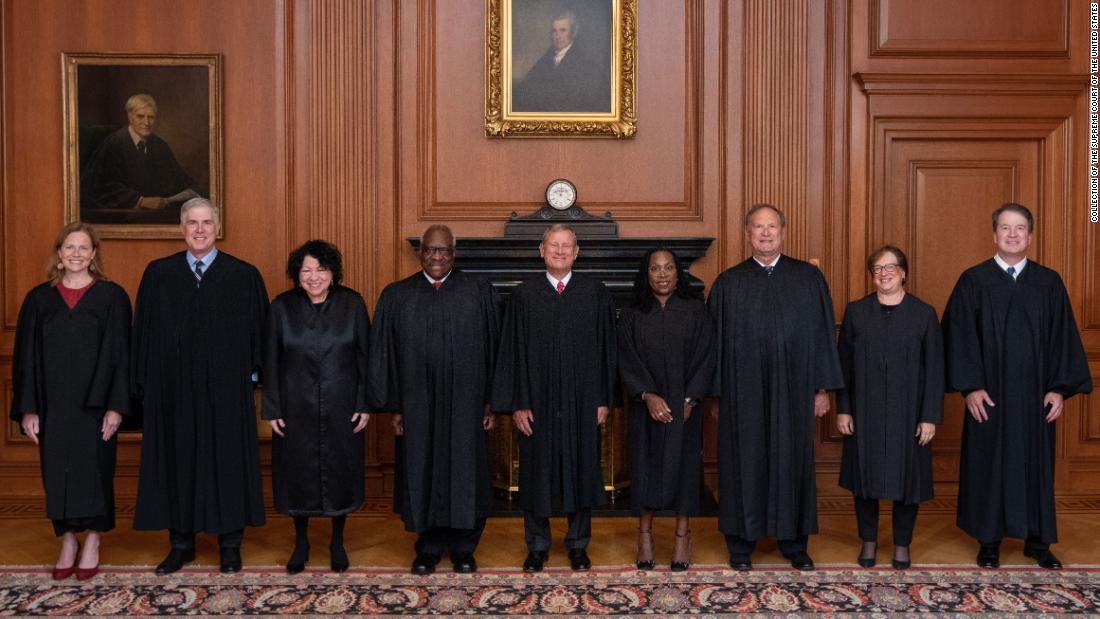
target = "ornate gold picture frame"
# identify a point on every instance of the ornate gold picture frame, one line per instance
(142, 135)
(560, 68)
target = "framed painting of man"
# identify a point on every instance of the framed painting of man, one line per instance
(142, 136)
(560, 68)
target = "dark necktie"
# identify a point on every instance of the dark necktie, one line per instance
(143, 147)
(437, 285)
(198, 272)
(1012, 272)
(561, 287)
(768, 269)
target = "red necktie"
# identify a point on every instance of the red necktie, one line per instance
(561, 287)
(437, 285)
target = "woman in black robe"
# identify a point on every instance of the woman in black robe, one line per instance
(70, 386)
(666, 360)
(315, 397)
(891, 351)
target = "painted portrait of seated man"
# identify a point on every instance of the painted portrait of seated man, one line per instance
(133, 168)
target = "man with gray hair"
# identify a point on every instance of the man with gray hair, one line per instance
(556, 374)
(133, 168)
(196, 360)
(569, 77)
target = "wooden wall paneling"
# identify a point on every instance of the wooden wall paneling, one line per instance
(972, 29)
(941, 159)
(978, 36)
(35, 34)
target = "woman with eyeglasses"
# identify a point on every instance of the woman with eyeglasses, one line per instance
(891, 351)
(666, 360)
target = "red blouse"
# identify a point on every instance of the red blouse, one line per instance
(72, 296)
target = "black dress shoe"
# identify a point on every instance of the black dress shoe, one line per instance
(741, 564)
(298, 559)
(578, 560)
(1045, 558)
(424, 564)
(464, 563)
(175, 560)
(801, 561)
(534, 561)
(989, 557)
(863, 559)
(338, 559)
(230, 560)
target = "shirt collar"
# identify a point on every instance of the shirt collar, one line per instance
(773, 262)
(554, 280)
(559, 55)
(207, 260)
(433, 281)
(1004, 265)
(135, 138)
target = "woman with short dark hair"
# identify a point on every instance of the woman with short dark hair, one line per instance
(315, 397)
(70, 389)
(891, 351)
(666, 360)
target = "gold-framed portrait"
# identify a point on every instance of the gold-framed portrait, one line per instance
(142, 136)
(560, 68)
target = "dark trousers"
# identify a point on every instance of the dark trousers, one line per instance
(99, 524)
(182, 540)
(904, 519)
(742, 548)
(437, 541)
(536, 530)
(1032, 544)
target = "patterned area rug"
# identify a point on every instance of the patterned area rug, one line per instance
(702, 591)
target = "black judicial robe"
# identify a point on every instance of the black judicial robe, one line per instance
(194, 352)
(1018, 341)
(315, 379)
(776, 348)
(431, 359)
(558, 359)
(71, 367)
(894, 380)
(667, 351)
(117, 174)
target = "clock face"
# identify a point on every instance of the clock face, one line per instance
(561, 194)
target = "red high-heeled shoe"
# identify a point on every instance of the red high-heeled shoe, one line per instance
(61, 573)
(85, 574)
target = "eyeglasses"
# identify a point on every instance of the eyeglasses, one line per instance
(445, 252)
(884, 268)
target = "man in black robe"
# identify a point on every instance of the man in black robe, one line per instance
(1014, 352)
(556, 372)
(196, 357)
(777, 359)
(568, 77)
(133, 168)
(431, 359)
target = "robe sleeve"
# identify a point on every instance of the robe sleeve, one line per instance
(511, 387)
(362, 355)
(932, 358)
(635, 374)
(701, 368)
(110, 388)
(846, 352)
(827, 373)
(962, 339)
(490, 311)
(271, 404)
(715, 309)
(383, 376)
(25, 361)
(256, 324)
(141, 338)
(1067, 366)
(609, 358)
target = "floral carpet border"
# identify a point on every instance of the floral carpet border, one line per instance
(702, 591)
